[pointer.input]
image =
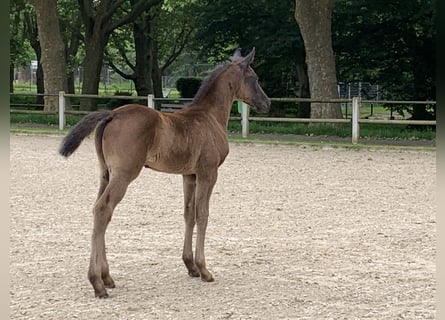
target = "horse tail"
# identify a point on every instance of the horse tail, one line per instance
(76, 135)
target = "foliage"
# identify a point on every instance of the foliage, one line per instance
(188, 87)
(114, 103)
(268, 26)
(21, 52)
(173, 28)
(149, 45)
(29, 102)
(390, 43)
(43, 119)
(70, 28)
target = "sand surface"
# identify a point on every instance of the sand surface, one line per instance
(295, 232)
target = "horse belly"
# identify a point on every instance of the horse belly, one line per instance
(170, 164)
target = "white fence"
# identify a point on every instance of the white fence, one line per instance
(246, 118)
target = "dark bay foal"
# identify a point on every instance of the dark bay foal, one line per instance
(191, 142)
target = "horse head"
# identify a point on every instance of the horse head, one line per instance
(250, 90)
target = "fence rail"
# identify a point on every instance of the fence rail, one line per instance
(245, 117)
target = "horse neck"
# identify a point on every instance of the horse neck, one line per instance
(218, 99)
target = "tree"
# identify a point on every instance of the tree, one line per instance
(20, 50)
(270, 28)
(100, 19)
(314, 21)
(139, 55)
(173, 27)
(141, 64)
(53, 51)
(30, 29)
(159, 36)
(71, 26)
(389, 43)
(25, 32)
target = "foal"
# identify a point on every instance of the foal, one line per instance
(191, 142)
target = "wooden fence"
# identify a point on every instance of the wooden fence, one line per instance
(245, 118)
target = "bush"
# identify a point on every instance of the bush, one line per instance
(188, 87)
(25, 102)
(114, 103)
(290, 109)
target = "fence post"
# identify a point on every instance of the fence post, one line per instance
(61, 110)
(355, 117)
(244, 120)
(151, 101)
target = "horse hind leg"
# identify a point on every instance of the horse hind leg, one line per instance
(189, 219)
(104, 171)
(98, 272)
(104, 180)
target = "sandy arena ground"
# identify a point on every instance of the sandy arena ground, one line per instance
(295, 232)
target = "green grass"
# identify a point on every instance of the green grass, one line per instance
(42, 119)
(107, 90)
(377, 131)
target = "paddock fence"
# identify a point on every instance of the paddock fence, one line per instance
(174, 104)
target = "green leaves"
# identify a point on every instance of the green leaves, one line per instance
(387, 42)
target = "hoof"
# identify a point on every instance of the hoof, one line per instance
(109, 283)
(208, 279)
(194, 273)
(102, 295)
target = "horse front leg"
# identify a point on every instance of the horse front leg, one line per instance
(204, 187)
(189, 184)
(98, 272)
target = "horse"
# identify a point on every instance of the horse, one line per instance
(192, 142)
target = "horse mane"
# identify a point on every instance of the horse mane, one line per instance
(208, 81)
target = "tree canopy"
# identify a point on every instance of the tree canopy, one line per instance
(389, 43)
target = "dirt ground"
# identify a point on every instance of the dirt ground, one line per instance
(295, 232)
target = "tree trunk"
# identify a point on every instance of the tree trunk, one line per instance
(40, 82)
(304, 108)
(143, 49)
(145, 65)
(314, 20)
(53, 51)
(72, 46)
(70, 82)
(156, 73)
(97, 18)
(31, 29)
(11, 77)
(92, 66)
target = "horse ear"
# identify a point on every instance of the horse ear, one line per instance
(236, 55)
(247, 60)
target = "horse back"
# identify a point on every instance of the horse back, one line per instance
(183, 143)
